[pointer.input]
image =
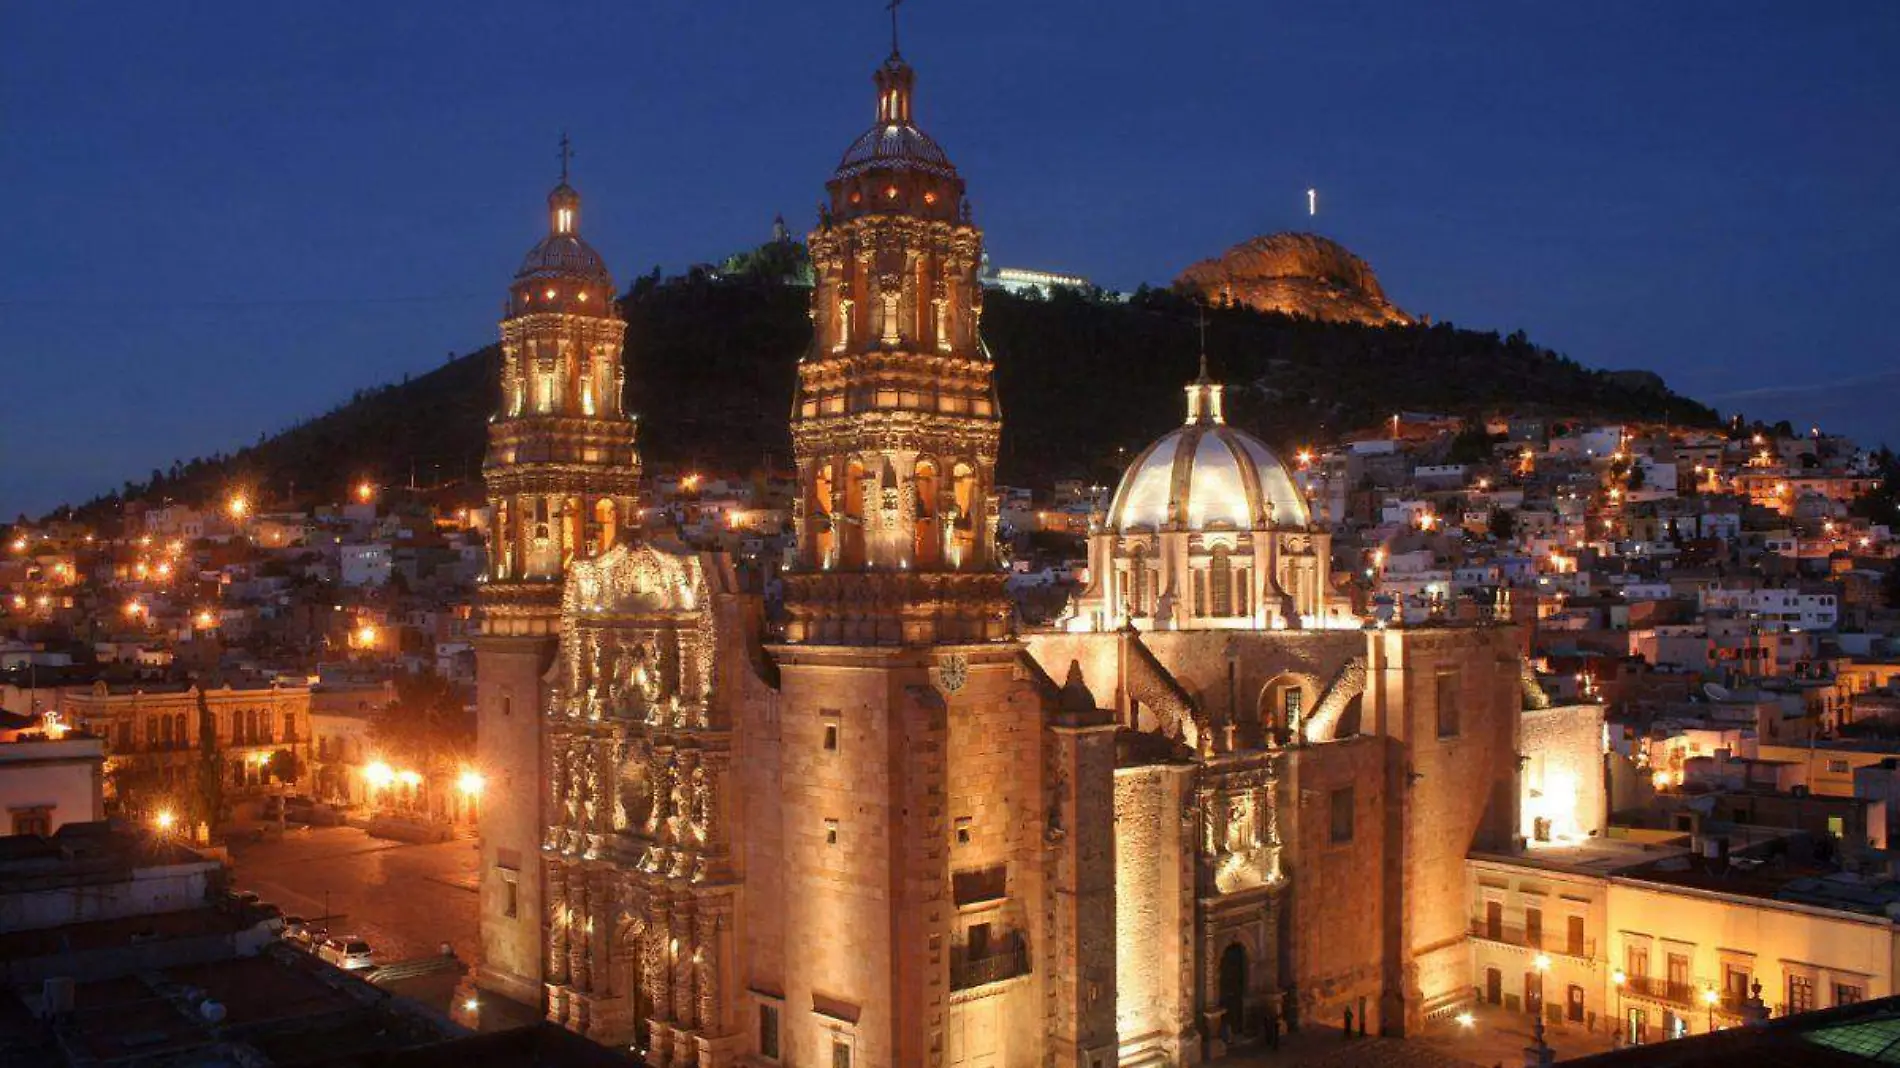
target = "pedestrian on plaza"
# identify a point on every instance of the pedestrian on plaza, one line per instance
(1349, 1021)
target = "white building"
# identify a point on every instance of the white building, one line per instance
(46, 783)
(365, 565)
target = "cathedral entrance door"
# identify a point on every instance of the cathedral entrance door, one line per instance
(1233, 988)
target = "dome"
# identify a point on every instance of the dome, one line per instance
(1206, 475)
(894, 143)
(895, 146)
(564, 256)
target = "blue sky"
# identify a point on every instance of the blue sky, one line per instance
(218, 218)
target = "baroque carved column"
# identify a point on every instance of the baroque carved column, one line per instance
(685, 1014)
(709, 928)
(558, 918)
(653, 977)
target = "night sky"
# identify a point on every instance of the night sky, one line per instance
(217, 219)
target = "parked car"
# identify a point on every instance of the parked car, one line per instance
(312, 939)
(347, 952)
(296, 929)
(237, 900)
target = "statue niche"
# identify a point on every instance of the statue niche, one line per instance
(636, 788)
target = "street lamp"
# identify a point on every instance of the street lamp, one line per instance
(470, 783)
(1709, 998)
(1541, 962)
(164, 821)
(1617, 980)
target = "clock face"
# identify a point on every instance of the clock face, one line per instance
(953, 672)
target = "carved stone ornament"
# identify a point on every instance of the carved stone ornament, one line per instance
(953, 672)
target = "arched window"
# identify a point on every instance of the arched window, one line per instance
(963, 492)
(179, 731)
(1220, 580)
(851, 522)
(606, 525)
(571, 541)
(166, 738)
(824, 532)
(151, 732)
(1138, 592)
(927, 540)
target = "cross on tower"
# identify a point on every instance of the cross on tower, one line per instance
(1202, 309)
(892, 8)
(567, 153)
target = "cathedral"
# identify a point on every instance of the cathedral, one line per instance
(897, 829)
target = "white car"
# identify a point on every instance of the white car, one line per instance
(347, 952)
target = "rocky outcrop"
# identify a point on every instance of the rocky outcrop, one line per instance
(1295, 274)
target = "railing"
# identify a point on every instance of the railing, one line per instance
(1006, 958)
(1661, 989)
(1544, 941)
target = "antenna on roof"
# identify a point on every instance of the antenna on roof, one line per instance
(892, 8)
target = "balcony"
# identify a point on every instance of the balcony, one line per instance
(1006, 957)
(1541, 941)
(1659, 989)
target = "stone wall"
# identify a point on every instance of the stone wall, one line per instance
(1154, 911)
(508, 704)
(932, 791)
(1563, 775)
(1343, 892)
(1459, 784)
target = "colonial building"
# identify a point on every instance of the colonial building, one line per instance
(155, 735)
(897, 833)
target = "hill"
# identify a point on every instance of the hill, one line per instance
(1294, 274)
(1081, 375)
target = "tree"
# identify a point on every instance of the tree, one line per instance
(209, 803)
(427, 723)
(1503, 524)
(285, 766)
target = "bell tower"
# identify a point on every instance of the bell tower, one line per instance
(562, 478)
(908, 770)
(895, 424)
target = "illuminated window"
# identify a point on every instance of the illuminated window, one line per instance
(1848, 994)
(930, 198)
(831, 832)
(963, 830)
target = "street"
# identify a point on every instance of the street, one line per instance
(405, 900)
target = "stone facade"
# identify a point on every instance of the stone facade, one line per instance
(562, 478)
(888, 835)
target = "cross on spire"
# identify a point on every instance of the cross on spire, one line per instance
(1203, 320)
(567, 153)
(892, 8)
